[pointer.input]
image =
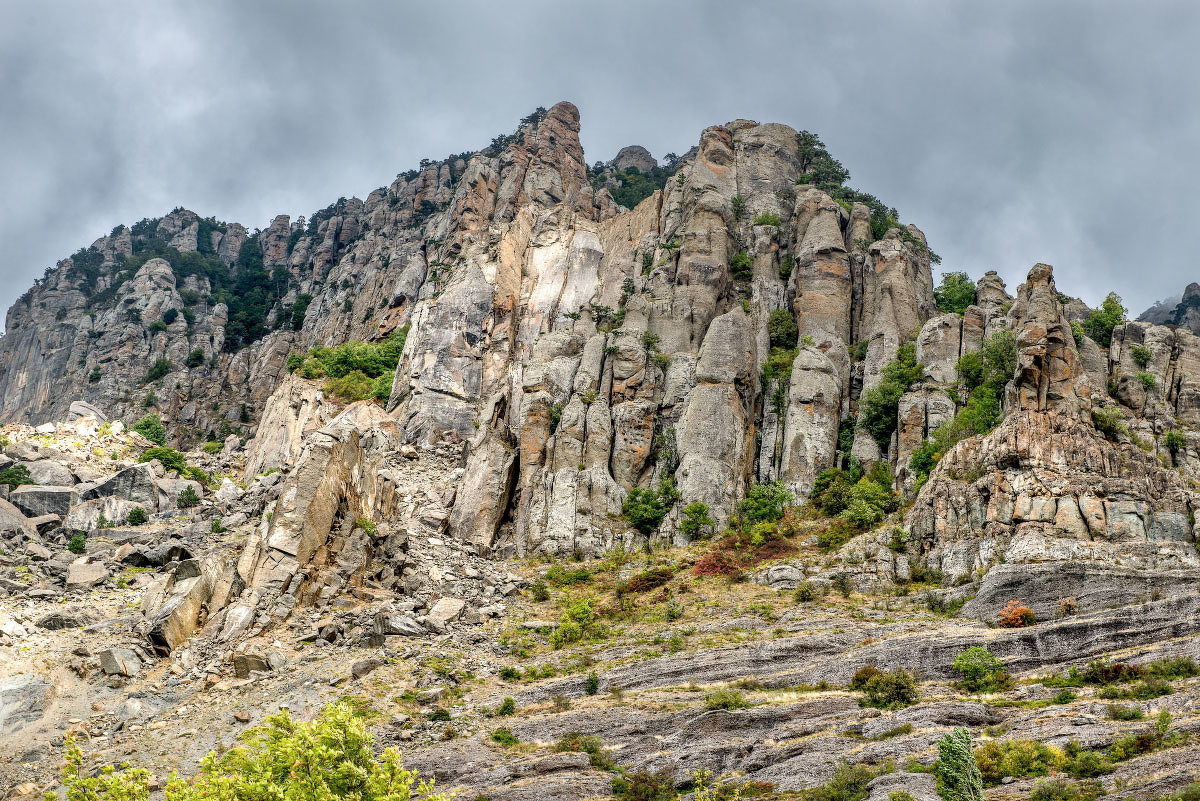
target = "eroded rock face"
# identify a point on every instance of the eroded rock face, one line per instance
(1049, 372)
(1044, 488)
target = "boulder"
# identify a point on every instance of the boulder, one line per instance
(87, 516)
(12, 521)
(39, 500)
(135, 483)
(81, 408)
(169, 490)
(47, 471)
(82, 574)
(446, 610)
(120, 662)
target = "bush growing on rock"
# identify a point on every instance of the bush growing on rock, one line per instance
(955, 293)
(78, 543)
(354, 370)
(766, 502)
(879, 405)
(16, 476)
(188, 498)
(893, 689)
(981, 672)
(998, 759)
(849, 783)
(1063, 790)
(586, 744)
(781, 328)
(696, 520)
(137, 516)
(284, 758)
(151, 427)
(1141, 355)
(646, 508)
(1016, 615)
(1100, 323)
(725, 699)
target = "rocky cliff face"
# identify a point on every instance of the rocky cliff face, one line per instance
(576, 351)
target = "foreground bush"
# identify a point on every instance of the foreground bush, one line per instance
(958, 777)
(281, 759)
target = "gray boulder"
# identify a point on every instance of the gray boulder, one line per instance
(36, 501)
(135, 483)
(120, 662)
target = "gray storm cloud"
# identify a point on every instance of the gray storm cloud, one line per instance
(1011, 133)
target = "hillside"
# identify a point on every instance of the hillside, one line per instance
(722, 482)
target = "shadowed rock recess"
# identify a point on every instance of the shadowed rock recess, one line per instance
(489, 434)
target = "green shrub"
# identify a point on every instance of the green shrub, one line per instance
(78, 543)
(505, 737)
(510, 673)
(786, 265)
(576, 621)
(741, 267)
(878, 406)
(158, 370)
(767, 218)
(958, 776)
(1141, 355)
(998, 759)
(195, 358)
(1100, 323)
(586, 744)
(151, 427)
(725, 699)
(645, 509)
(353, 386)
(188, 497)
(592, 684)
(955, 293)
(849, 783)
(738, 203)
(283, 758)
(1175, 442)
(891, 690)
(1063, 790)
(642, 785)
(539, 592)
(1126, 713)
(1148, 381)
(16, 476)
(766, 502)
(805, 592)
(696, 520)
(169, 458)
(1110, 421)
(981, 672)
(439, 715)
(217, 526)
(213, 447)
(781, 328)
(1088, 764)
(137, 516)
(356, 370)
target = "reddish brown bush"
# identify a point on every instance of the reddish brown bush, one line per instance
(717, 563)
(1016, 615)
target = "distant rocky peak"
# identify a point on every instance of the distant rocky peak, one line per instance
(634, 156)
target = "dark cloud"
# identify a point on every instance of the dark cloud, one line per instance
(1011, 132)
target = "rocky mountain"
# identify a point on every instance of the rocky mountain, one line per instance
(687, 475)
(1181, 310)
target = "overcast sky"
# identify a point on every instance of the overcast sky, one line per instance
(1010, 132)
